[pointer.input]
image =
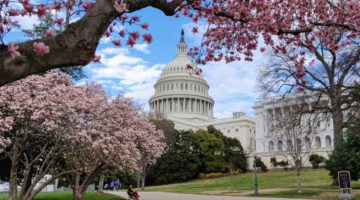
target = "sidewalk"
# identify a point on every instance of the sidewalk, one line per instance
(177, 196)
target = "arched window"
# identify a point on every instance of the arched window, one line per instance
(186, 86)
(317, 142)
(167, 87)
(307, 143)
(271, 146)
(289, 145)
(328, 141)
(298, 145)
(280, 145)
(181, 86)
(172, 86)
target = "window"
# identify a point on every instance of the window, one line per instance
(298, 145)
(280, 145)
(328, 141)
(307, 143)
(317, 142)
(181, 86)
(271, 146)
(237, 130)
(289, 145)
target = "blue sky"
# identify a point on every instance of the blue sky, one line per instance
(134, 71)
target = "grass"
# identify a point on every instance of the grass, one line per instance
(68, 196)
(316, 183)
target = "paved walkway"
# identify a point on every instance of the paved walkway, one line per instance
(176, 196)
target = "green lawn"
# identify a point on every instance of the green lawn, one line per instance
(68, 196)
(283, 184)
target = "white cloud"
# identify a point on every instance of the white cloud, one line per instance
(144, 48)
(27, 22)
(123, 73)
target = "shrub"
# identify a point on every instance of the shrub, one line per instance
(260, 164)
(283, 164)
(316, 160)
(211, 175)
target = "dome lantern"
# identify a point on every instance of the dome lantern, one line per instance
(182, 45)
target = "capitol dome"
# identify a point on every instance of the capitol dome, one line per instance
(181, 91)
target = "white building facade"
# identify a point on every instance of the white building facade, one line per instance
(268, 145)
(182, 96)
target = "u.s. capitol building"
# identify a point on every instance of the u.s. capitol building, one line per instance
(182, 96)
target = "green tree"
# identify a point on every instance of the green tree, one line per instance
(179, 163)
(316, 160)
(346, 154)
(260, 164)
(212, 151)
(168, 128)
(234, 154)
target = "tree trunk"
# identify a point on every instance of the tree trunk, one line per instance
(338, 119)
(101, 182)
(56, 184)
(298, 174)
(13, 172)
(77, 194)
(143, 176)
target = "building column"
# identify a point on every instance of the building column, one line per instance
(206, 108)
(202, 107)
(184, 103)
(168, 105)
(193, 105)
(178, 105)
(160, 104)
(156, 108)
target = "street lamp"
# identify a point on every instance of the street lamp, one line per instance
(256, 185)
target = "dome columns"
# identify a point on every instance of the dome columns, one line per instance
(181, 105)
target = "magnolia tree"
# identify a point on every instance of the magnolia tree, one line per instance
(36, 114)
(151, 147)
(232, 33)
(116, 137)
(49, 126)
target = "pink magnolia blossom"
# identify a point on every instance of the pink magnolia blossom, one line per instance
(58, 21)
(13, 50)
(97, 58)
(49, 33)
(120, 6)
(40, 48)
(116, 42)
(147, 38)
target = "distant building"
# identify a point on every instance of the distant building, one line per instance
(268, 145)
(181, 95)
